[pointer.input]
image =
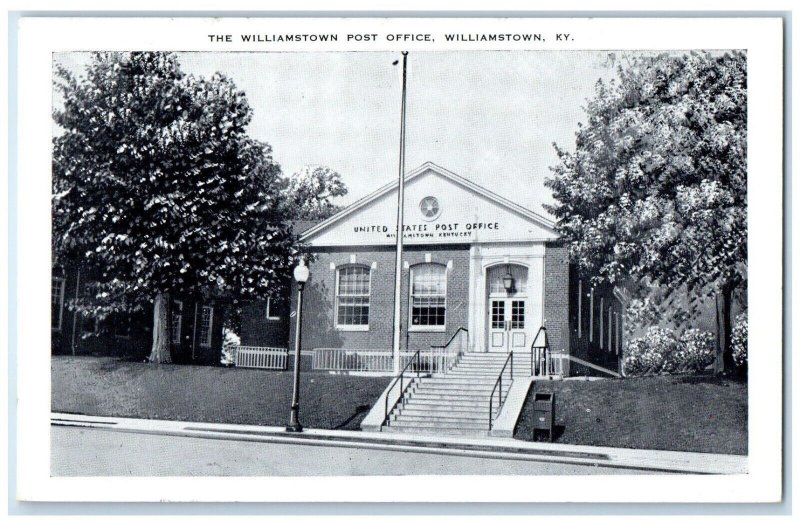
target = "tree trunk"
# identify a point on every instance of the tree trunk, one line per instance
(160, 352)
(724, 360)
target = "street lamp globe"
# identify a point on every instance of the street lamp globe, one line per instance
(301, 272)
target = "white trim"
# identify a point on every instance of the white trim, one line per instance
(425, 328)
(429, 166)
(350, 327)
(207, 344)
(62, 285)
(269, 308)
(180, 322)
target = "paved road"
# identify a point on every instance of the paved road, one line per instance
(99, 452)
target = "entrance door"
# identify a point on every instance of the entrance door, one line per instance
(507, 325)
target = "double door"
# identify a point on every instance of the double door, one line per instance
(508, 325)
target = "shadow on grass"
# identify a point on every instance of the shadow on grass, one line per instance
(359, 410)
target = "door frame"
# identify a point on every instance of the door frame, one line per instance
(508, 300)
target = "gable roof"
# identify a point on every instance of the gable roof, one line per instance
(447, 174)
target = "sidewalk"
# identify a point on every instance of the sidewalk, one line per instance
(500, 448)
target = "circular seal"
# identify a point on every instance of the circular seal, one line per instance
(430, 208)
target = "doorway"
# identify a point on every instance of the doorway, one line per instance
(508, 324)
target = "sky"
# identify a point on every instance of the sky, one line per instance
(489, 116)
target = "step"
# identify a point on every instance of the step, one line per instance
(434, 391)
(478, 399)
(415, 430)
(427, 411)
(441, 423)
(436, 403)
(460, 380)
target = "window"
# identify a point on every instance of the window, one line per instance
(56, 303)
(89, 322)
(518, 273)
(428, 296)
(206, 322)
(177, 322)
(272, 310)
(352, 297)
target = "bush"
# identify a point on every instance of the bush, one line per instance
(658, 352)
(739, 340)
(230, 341)
(697, 351)
(649, 354)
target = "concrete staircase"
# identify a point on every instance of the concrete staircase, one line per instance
(455, 402)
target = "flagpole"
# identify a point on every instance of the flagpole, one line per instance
(398, 265)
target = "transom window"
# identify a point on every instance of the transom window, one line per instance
(428, 295)
(352, 297)
(518, 273)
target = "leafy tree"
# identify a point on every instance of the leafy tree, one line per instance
(310, 191)
(158, 188)
(656, 186)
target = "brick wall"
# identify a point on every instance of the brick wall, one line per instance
(556, 295)
(260, 331)
(319, 329)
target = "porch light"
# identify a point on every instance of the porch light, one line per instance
(508, 281)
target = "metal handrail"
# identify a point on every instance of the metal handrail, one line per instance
(399, 378)
(500, 383)
(446, 345)
(545, 349)
(453, 337)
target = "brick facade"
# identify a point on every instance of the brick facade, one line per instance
(319, 328)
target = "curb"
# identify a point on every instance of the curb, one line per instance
(494, 448)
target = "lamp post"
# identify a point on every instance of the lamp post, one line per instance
(301, 276)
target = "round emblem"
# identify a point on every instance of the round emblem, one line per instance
(430, 208)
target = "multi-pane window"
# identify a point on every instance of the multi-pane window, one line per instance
(518, 314)
(519, 275)
(352, 297)
(56, 302)
(206, 322)
(177, 322)
(428, 295)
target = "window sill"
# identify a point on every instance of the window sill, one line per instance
(427, 329)
(352, 328)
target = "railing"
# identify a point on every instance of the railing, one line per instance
(400, 378)
(446, 356)
(499, 383)
(434, 360)
(260, 357)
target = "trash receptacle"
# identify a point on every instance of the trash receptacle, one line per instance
(543, 413)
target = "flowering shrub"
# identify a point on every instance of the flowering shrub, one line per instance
(658, 352)
(230, 341)
(697, 351)
(650, 354)
(739, 340)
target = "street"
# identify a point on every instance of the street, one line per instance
(87, 451)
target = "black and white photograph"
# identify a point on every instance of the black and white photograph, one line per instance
(572, 268)
(463, 258)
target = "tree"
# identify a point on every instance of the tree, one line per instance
(656, 186)
(310, 191)
(158, 188)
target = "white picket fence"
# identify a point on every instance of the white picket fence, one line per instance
(261, 357)
(378, 360)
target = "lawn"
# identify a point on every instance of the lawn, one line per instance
(679, 413)
(113, 387)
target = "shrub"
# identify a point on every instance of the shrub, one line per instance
(658, 352)
(650, 354)
(697, 351)
(739, 340)
(230, 341)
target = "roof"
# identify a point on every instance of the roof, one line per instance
(447, 174)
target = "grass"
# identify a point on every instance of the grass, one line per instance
(678, 413)
(112, 387)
